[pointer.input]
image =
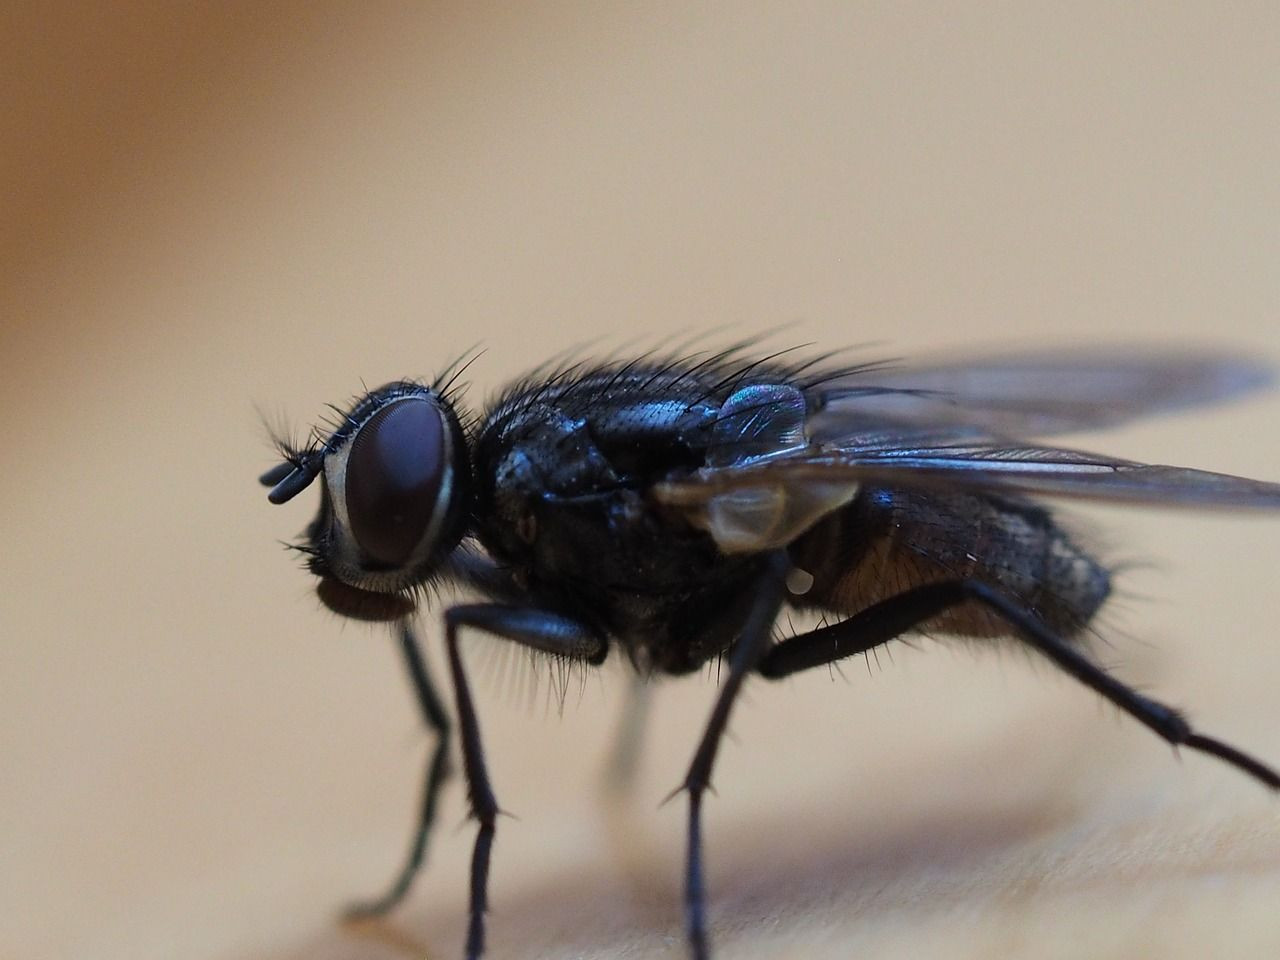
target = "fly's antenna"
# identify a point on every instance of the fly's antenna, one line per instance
(290, 478)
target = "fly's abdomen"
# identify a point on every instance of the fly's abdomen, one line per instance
(887, 541)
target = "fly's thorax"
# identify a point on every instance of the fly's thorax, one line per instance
(526, 460)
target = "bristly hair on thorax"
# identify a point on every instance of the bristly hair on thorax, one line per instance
(716, 371)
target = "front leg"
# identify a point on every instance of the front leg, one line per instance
(530, 627)
(437, 721)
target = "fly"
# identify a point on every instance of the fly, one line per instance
(674, 509)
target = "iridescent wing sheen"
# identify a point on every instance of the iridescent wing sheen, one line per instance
(1035, 394)
(769, 502)
(857, 435)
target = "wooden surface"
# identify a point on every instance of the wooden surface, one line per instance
(218, 213)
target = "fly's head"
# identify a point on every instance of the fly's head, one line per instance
(395, 483)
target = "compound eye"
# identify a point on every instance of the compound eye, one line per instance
(394, 478)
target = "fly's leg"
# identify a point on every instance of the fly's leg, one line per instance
(437, 721)
(529, 627)
(743, 659)
(892, 617)
(624, 759)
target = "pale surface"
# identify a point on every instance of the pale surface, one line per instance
(204, 212)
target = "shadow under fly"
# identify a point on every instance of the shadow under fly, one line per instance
(674, 507)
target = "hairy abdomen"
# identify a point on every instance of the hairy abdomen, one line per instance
(888, 541)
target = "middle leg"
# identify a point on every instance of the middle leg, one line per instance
(744, 658)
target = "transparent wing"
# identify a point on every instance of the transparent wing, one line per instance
(770, 501)
(1034, 394)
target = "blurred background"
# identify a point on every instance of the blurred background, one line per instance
(212, 212)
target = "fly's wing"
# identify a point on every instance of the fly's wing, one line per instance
(1033, 394)
(767, 502)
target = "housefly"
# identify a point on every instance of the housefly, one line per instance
(674, 508)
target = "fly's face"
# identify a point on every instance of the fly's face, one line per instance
(395, 479)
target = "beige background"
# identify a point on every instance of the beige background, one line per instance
(210, 209)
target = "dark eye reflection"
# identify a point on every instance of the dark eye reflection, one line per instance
(393, 479)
